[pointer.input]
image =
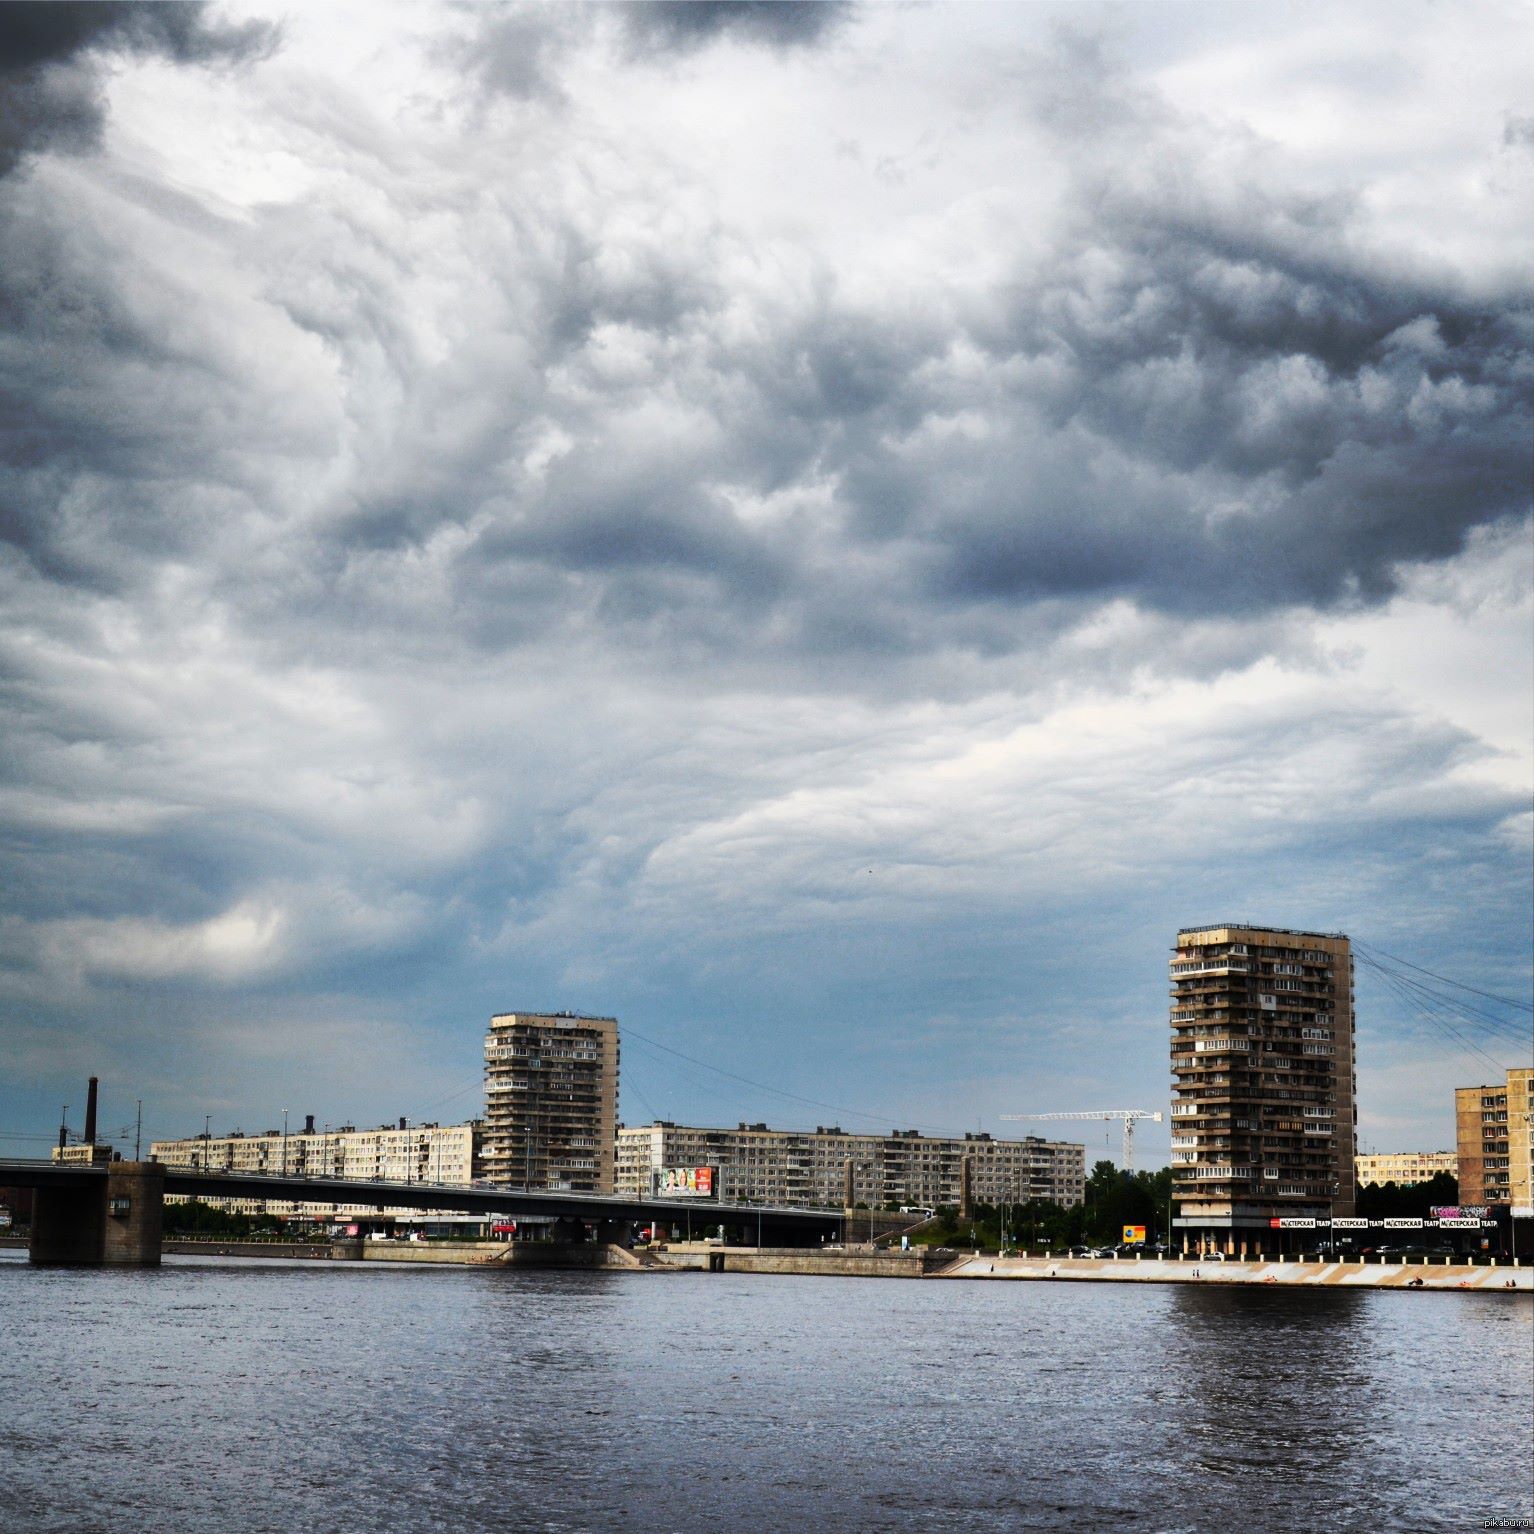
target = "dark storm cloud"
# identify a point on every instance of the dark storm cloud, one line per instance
(1202, 394)
(518, 50)
(51, 56)
(1214, 423)
(683, 25)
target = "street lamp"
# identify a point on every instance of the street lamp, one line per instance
(284, 1142)
(869, 1167)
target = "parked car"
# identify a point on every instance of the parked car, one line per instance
(1081, 1251)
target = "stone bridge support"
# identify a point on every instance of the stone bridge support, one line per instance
(115, 1221)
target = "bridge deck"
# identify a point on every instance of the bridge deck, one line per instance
(425, 1195)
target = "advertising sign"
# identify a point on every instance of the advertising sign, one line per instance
(1402, 1224)
(685, 1182)
(1347, 1222)
(1459, 1212)
(1134, 1235)
(1296, 1222)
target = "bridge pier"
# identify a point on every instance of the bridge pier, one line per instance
(117, 1222)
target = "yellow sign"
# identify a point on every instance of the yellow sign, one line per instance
(1134, 1235)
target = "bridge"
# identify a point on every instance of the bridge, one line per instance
(113, 1212)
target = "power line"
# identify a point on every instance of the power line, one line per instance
(1501, 1027)
(1443, 1026)
(761, 1086)
(1459, 985)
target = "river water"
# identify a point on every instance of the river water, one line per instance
(358, 1399)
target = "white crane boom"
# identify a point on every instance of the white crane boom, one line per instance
(1107, 1115)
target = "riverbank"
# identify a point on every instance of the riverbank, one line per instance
(866, 1262)
(1332, 1275)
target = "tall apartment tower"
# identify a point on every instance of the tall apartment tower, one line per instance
(1264, 1120)
(551, 1101)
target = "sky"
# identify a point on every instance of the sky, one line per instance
(827, 532)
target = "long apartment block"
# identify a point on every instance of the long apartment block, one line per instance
(551, 1101)
(1403, 1168)
(799, 1169)
(445, 1153)
(1263, 1110)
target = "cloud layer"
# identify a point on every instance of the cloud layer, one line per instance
(676, 509)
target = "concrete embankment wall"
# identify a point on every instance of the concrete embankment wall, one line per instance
(512, 1254)
(501, 1254)
(314, 1251)
(796, 1260)
(1345, 1275)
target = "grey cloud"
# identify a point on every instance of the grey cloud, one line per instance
(51, 56)
(518, 50)
(683, 25)
(1201, 398)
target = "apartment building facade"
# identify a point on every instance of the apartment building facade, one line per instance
(1403, 1168)
(551, 1101)
(1520, 1141)
(1264, 1117)
(1492, 1127)
(399, 1152)
(800, 1169)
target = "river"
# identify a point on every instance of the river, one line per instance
(356, 1399)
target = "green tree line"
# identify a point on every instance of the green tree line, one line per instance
(1113, 1199)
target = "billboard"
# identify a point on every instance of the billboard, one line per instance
(686, 1182)
(1134, 1235)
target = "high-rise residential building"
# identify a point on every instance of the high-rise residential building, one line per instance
(1520, 1140)
(399, 1152)
(551, 1101)
(1264, 1092)
(1492, 1125)
(798, 1169)
(1403, 1168)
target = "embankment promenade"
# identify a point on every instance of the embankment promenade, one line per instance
(1333, 1275)
(865, 1262)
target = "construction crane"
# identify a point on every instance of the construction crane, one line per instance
(1129, 1116)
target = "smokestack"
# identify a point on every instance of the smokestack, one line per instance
(64, 1129)
(402, 1123)
(308, 1123)
(90, 1112)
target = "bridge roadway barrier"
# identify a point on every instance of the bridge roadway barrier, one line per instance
(1338, 1275)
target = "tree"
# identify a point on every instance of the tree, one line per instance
(1409, 1201)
